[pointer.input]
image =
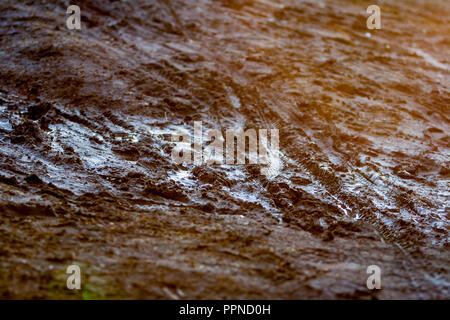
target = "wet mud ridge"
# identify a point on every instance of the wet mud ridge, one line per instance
(86, 174)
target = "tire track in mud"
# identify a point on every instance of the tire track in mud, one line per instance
(363, 132)
(357, 209)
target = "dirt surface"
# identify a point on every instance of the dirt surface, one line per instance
(86, 174)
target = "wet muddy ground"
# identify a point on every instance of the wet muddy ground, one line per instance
(86, 174)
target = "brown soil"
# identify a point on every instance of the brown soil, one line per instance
(86, 175)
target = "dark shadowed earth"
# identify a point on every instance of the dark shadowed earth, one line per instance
(86, 175)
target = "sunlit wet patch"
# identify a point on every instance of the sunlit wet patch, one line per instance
(132, 138)
(344, 208)
(234, 173)
(5, 124)
(241, 194)
(78, 137)
(235, 102)
(429, 59)
(146, 127)
(183, 178)
(271, 165)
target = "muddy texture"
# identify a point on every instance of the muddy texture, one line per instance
(86, 175)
